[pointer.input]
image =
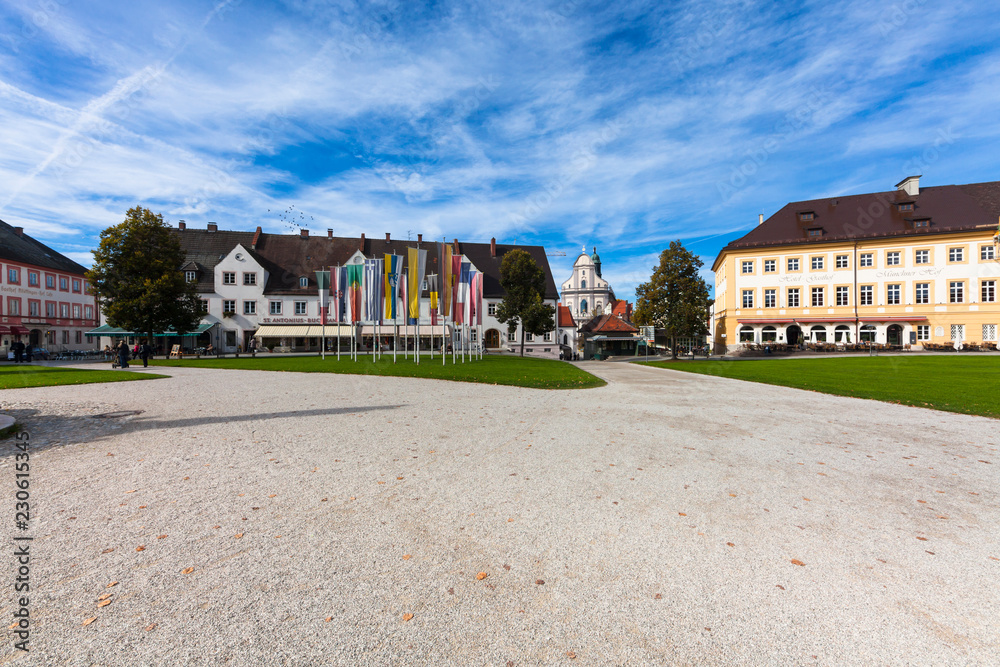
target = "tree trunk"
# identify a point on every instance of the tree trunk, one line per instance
(522, 339)
(673, 347)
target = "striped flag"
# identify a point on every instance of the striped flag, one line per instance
(417, 266)
(479, 299)
(456, 272)
(432, 289)
(474, 278)
(355, 278)
(374, 283)
(462, 298)
(393, 269)
(446, 271)
(338, 290)
(404, 304)
(323, 283)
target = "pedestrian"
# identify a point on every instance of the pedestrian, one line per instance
(27, 353)
(18, 349)
(252, 347)
(145, 351)
(123, 354)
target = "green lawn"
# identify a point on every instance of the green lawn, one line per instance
(492, 369)
(13, 376)
(969, 384)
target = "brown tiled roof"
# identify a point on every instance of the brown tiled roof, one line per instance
(287, 257)
(622, 308)
(948, 208)
(22, 248)
(565, 317)
(607, 324)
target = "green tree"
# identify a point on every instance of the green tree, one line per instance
(523, 282)
(137, 277)
(675, 298)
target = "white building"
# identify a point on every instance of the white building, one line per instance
(586, 293)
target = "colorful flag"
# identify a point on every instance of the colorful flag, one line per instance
(338, 290)
(456, 271)
(445, 267)
(479, 299)
(393, 269)
(473, 286)
(462, 293)
(323, 283)
(432, 289)
(355, 278)
(374, 282)
(417, 266)
(403, 307)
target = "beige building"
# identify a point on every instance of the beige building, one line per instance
(909, 266)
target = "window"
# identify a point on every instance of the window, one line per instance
(922, 257)
(956, 254)
(65, 337)
(583, 283)
(473, 336)
(228, 277)
(34, 309)
(748, 298)
(249, 278)
(817, 263)
(989, 291)
(922, 293)
(275, 308)
(529, 338)
(923, 332)
(906, 207)
(190, 276)
(300, 308)
(88, 312)
(511, 336)
(747, 267)
(76, 285)
(63, 283)
(867, 259)
(770, 266)
(547, 338)
(770, 298)
(13, 306)
(304, 281)
(50, 309)
(867, 295)
(203, 304)
(892, 258)
(842, 298)
(989, 332)
(817, 296)
(892, 294)
(793, 297)
(64, 310)
(249, 307)
(841, 261)
(583, 306)
(923, 223)
(793, 264)
(13, 276)
(958, 332)
(956, 291)
(491, 309)
(868, 333)
(76, 311)
(33, 276)
(815, 231)
(229, 306)
(79, 337)
(768, 334)
(807, 216)
(985, 252)
(746, 334)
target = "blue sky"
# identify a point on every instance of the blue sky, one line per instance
(622, 125)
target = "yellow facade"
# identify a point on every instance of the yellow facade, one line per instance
(906, 289)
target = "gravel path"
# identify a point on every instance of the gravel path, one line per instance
(667, 518)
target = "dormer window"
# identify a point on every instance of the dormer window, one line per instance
(806, 216)
(303, 281)
(190, 276)
(905, 207)
(922, 223)
(814, 232)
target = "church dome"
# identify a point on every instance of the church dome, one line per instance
(595, 257)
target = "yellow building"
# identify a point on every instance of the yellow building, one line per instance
(910, 266)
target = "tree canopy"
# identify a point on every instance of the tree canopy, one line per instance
(675, 298)
(138, 279)
(523, 282)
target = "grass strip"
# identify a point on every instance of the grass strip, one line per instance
(28, 375)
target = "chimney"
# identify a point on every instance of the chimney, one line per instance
(181, 225)
(19, 231)
(361, 247)
(455, 248)
(420, 238)
(213, 227)
(910, 185)
(304, 233)
(493, 247)
(329, 233)
(760, 218)
(256, 237)
(387, 237)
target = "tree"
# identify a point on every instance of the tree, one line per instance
(675, 298)
(523, 282)
(137, 277)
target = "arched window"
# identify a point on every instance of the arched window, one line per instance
(868, 333)
(583, 306)
(583, 283)
(746, 334)
(303, 282)
(818, 334)
(599, 306)
(842, 334)
(769, 334)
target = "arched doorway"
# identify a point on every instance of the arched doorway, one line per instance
(894, 334)
(793, 334)
(492, 339)
(35, 337)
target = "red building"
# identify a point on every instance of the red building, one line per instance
(45, 300)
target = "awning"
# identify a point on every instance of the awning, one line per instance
(301, 331)
(108, 330)
(914, 318)
(18, 330)
(4, 330)
(200, 329)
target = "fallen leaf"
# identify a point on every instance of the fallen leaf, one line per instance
(272, 495)
(510, 521)
(132, 491)
(481, 576)
(328, 619)
(160, 537)
(922, 539)
(730, 544)
(113, 583)
(13, 625)
(142, 507)
(451, 591)
(399, 478)
(733, 495)
(89, 620)
(107, 551)
(407, 616)
(922, 501)
(238, 536)
(407, 556)
(681, 514)
(780, 586)
(506, 567)
(540, 582)
(140, 548)
(187, 570)
(796, 561)
(184, 478)
(104, 603)
(151, 626)
(381, 482)
(104, 596)
(571, 655)
(658, 596)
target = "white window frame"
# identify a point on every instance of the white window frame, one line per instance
(986, 253)
(792, 264)
(922, 257)
(817, 296)
(893, 294)
(746, 266)
(229, 305)
(989, 333)
(866, 260)
(843, 295)
(770, 266)
(250, 307)
(866, 295)
(747, 298)
(491, 309)
(923, 332)
(921, 293)
(301, 307)
(956, 254)
(304, 281)
(988, 291)
(816, 263)
(190, 276)
(893, 258)
(842, 261)
(770, 298)
(228, 277)
(274, 308)
(793, 297)
(249, 279)
(956, 291)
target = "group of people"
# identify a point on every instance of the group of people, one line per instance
(122, 353)
(22, 352)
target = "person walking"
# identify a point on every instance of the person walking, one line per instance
(145, 352)
(27, 353)
(123, 354)
(18, 349)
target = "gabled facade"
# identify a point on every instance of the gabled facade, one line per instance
(586, 292)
